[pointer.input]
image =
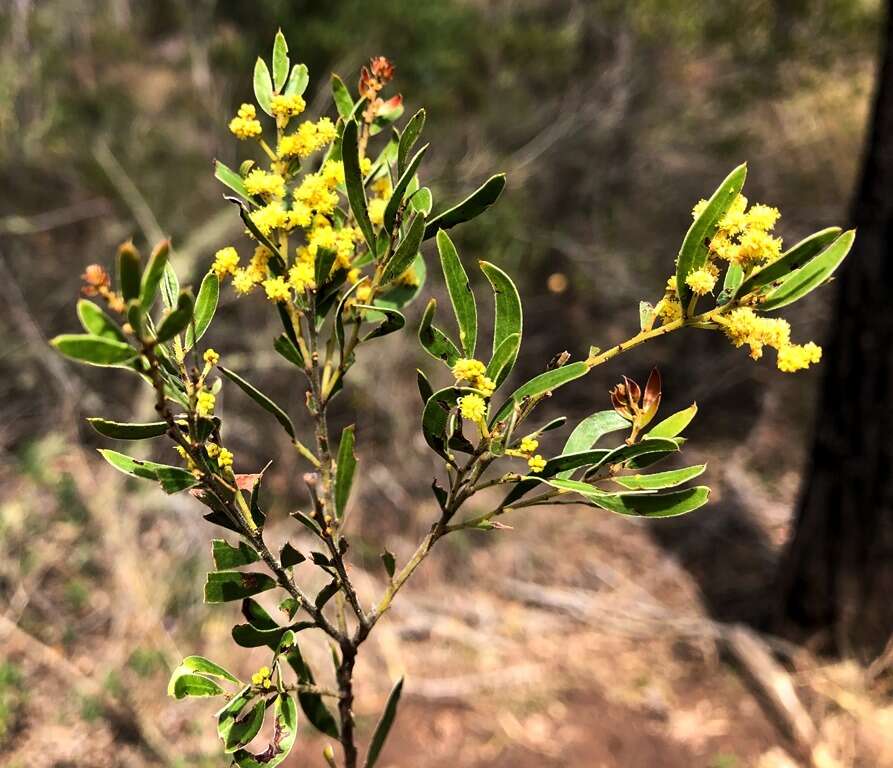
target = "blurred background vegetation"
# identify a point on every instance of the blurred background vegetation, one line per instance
(611, 119)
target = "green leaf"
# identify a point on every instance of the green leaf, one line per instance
(170, 286)
(654, 505)
(435, 342)
(311, 703)
(660, 480)
(503, 359)
(471, 207)
(509, 316)
(289, 556)
(227, 556)
(129, 271)
(325, 594)
(790, 260)
(280, 61)
(390, 211)
(325, 259)
(422, 201)
(93, 350)
(124, 431)
(228, 177)
(408, 138)
(235, 728)
(98, 323)
(435, 416)
(390, 563)
(297, 82)
(811, 275)
(204, 666)
(545, 382)
(257, 616)
(693, 253)
(384, 725)
(223, 586)
(178, 320)
(353, 181)
(342, 98)
(399, 295)
(589, 431)
(425, 388)
(261, 399)
(625, 453)
(285, 714)
(461, 295)
(731, 284)
(286, 347)
(205, 307)
(344, 471)
(263, 86)
(248, 636)
(152, 275)
(393, 321)
(405, 252)
(183, 684)
(675, 424)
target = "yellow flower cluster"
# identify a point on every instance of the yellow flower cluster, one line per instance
(473, 408)
(211, 357)
(309, 138)
(226, 260)
(528, 445)
(301, 276)
(744, 326)
(224, 458)
(277, 289)
(262, 678)
(474, 372)
(265, 184)
(205, 403)
(702, 281)
(245, 124)
(744, 236)
(536, 463)
(286, 106)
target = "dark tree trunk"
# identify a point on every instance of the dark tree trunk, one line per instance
(837, 575)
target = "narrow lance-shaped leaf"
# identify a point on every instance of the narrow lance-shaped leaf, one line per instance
(460, 292)
(396, 198)
(347, 464)
(342, 98)
(503, 358)
(660, 480)
(353, 181)
(178, 320)
(393, 321)
(790, 260)
(261, 399)
(263, 86)
(280, 61)
(93, 350)
(183, 684)
(311, 703)
(673, 425)
(405, 252)
(384, 725)
(436, 415)
(509, 316)
(471, 207)
(408, 138)
(425, 388)
(545, 382)
(170, 286)
(811, 275)
(124, 431)
(153, 273)
(230, 178)
(129, 271)
(172, 479)
(589, 431)
(205, 307)
(693, 253)
(435, 342)
(654, 505)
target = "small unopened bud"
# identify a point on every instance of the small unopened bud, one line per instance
(329, 755)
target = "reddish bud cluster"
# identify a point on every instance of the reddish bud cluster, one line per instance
(625, 398)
